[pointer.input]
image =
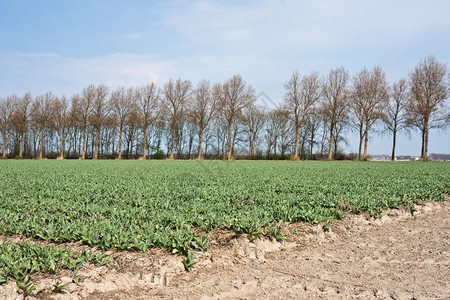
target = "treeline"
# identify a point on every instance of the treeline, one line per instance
(222, 120)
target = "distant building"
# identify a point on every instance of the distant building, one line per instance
(440, 157)
(381, 157)
(386, 157)
(405, 158)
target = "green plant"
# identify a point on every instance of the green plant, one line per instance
(201, 243)
(274, 233)
(26, 286)
(20, 260)
(189, 261)
(159, 154)
(58, 287)
(78, 278)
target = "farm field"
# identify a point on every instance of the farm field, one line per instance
(174, 205)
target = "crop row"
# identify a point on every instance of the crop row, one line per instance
(144, 204)
(19, 261)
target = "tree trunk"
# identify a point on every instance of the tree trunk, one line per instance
(92, 143)
(80, 144)
(394, 139)
(75, 133)
(361, 137)
(97, 135)
(144, 144)
(22, 138)
(200, 139)
(191, 142)
(425, 141)
(41, 146)
(102, 143)
(233, 142)
(423, 144)
(129, 148)
(83, 155)
(302, 148)
(218, 146)
(172, 144)
(230, 155)
(35, 142)
(322, 141)
(113, 142)
(63, 141)
(335, 143)
(330, 148)
(297, 138)
(366, 141)
(4, 144)
(275, 147)
(206, 144)
(120, 142)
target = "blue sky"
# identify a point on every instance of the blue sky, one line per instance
(62, 46)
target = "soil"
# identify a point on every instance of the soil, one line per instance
(400, 256)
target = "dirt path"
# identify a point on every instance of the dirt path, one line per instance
(397, 257)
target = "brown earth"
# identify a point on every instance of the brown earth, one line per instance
(397, 257)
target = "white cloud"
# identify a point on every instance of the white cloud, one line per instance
(41, 72)
(261, 40)
(270, 25)
(47, 71)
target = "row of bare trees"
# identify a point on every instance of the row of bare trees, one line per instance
(223, 120)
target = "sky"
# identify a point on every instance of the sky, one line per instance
(63, 46)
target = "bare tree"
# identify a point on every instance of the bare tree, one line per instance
(357, 119)
(369, 99)
(21, 119)
(301, 95)
(6, 115)
(122, 104)
(110, 132)
(272, 133)
(324, 134)
(147, 106)
(100, 110)
(236, 135)
(131, 130)
(254, 118)
(176, 94)
(313, 122)
(237, 95)
(62, 121)
(86, 107)
(335, 104)
(42, 116)
(427, 105)
(202, 108)
(191, 130)
(220, 134)
(395, 115)
(75, 122)
(278, 127)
